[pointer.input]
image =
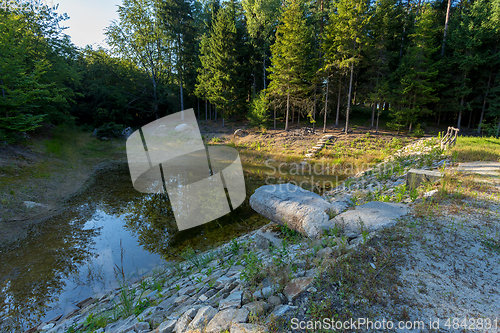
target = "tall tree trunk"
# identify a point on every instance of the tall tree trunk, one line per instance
(298, 118)
(287, 107)
(264, 69)
(326, 104)
(439, 117)
(349, 102)
(182, 95)
(460, 112)
(314, 106)
(378, 115)
(215, 113)
(470, 119)
(446, 26)
(198, 100)
(373, 114)
(206, 112)
(484, 104)
(274, 114)
(498, 129)
(338, 102)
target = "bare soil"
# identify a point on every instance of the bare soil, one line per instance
(29, 173)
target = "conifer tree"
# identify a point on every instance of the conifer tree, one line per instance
(222, 77)
(417, 72)
(344, 39)
(290, 54)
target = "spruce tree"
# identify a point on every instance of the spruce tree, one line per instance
(344, 38)
(290, 54)
(417, 72)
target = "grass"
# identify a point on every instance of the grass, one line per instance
(470, 149)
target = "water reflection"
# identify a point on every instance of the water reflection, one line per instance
(72, 256)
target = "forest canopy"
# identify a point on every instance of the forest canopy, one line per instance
(412, 62)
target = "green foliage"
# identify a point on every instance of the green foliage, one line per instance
(253, 271)
(291, 53)
(258, 111)
(33, 86)
(221, 78)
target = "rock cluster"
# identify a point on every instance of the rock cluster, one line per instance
(319, 146)
(213, 298)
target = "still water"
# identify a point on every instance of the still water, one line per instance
(107, 229)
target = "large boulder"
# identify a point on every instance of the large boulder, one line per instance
(299, 209)
(371, 216)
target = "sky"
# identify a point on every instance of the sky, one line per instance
(88, 19)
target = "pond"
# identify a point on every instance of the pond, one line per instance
(107, 231)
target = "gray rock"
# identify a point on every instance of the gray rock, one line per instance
(189, 290)
(248, 328)
(31, 204)
(279, 311)
(181, 299)
(274, 300)
(185, 320)
(223, 320)
(337, 207)
(127, 132)
(233, 300)
(301, 210)
(373, 215)
(142, 326)
(296, 287)
(166, 327)
(264, 292)
(202, 318)
(261, 242)
(415, 177)
(48, 326)
(222, 281)
(128, 325)
(258, 308)
(325, 253)
(239, 132)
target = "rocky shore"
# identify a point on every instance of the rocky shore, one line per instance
(250, 282)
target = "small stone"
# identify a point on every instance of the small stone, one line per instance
(325, 253)
(247, 328)
(222, 281)
(258, 308)
(181, 299)
(142, 326)
(311, 290)
(233, 300)
(296, 287)
(185, 320)
(203, 298)
(279, 311)
(274, 300)
(223, 320)
(166, 327)
(202, 318)
(48, 326)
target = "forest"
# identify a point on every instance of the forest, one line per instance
(267, 61)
